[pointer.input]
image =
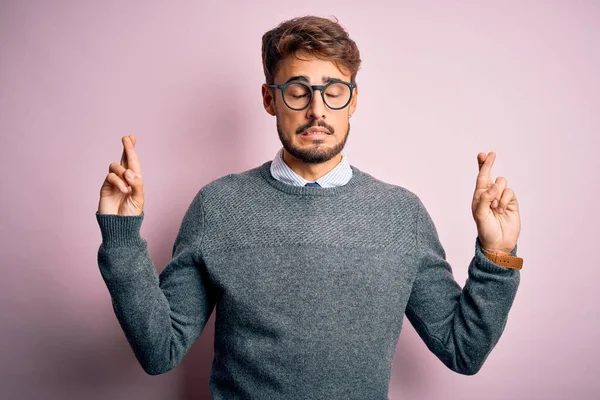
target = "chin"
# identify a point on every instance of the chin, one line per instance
(313, 151)
(313, 154)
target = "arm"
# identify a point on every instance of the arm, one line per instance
(161, 316)
(461, 327)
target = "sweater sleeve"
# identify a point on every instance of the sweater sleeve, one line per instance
(161, 316)
(460, 326)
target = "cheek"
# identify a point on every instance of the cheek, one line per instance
(341, 124)
(288, 121)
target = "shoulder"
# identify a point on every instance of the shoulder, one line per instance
(399, 194)
(230, 185)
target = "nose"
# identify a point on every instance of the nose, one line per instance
(316, 108)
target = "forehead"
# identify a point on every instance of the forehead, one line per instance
(313, 68)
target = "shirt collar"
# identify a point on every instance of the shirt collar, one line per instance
(338, 176)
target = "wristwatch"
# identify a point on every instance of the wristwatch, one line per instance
(504, 259)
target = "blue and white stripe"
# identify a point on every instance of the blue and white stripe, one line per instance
(338, 176)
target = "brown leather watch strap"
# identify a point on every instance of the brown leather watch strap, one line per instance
(504, 260)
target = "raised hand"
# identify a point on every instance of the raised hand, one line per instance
(495, 209)
(121, 194)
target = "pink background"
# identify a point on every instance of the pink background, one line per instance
(440, 82)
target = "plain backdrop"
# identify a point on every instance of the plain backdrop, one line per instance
(440, 82)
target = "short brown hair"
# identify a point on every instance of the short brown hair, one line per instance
(321, 37)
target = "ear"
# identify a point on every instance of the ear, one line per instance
(268, 99)
(352, 106)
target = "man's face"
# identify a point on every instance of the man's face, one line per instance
(291, 123)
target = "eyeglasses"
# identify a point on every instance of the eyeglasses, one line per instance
(336, 94)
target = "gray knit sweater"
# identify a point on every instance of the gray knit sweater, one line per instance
(310, 286)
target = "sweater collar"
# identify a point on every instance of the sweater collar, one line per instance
(357, 179)
(338, 176)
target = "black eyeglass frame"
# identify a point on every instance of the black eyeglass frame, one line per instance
(312, 89)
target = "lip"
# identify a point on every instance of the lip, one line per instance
(314, 131)
(314, 136)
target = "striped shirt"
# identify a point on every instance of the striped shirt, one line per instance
(338, 176)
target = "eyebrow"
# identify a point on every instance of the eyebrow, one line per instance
(304, 78)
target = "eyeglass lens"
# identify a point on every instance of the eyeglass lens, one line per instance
(336, 95)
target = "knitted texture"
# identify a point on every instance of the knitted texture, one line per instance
(310, 286)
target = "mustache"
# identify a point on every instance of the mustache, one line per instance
(322, 124)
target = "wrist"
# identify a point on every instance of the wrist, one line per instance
(500, 252)
(501, 257)
(494, 249)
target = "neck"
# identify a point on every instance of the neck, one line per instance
(310, 172)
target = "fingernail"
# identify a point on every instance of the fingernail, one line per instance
(129, 174)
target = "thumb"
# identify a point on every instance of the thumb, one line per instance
(137, 185)
(485, 201)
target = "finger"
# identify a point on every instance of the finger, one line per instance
(507, 197)
(133, 162)
(484, 179)
(124, 154)
(480, 159)
(484, 160)
(501, 183)
(117, 182)
(118, 169)
(123, 161)
(485, 201)
(134, 180)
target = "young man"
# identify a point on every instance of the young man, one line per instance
(310, 262)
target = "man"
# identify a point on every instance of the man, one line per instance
(310, 262)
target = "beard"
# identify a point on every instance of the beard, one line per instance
(317, 152)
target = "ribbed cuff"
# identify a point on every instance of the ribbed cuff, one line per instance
(120, 230)
(487, 264)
